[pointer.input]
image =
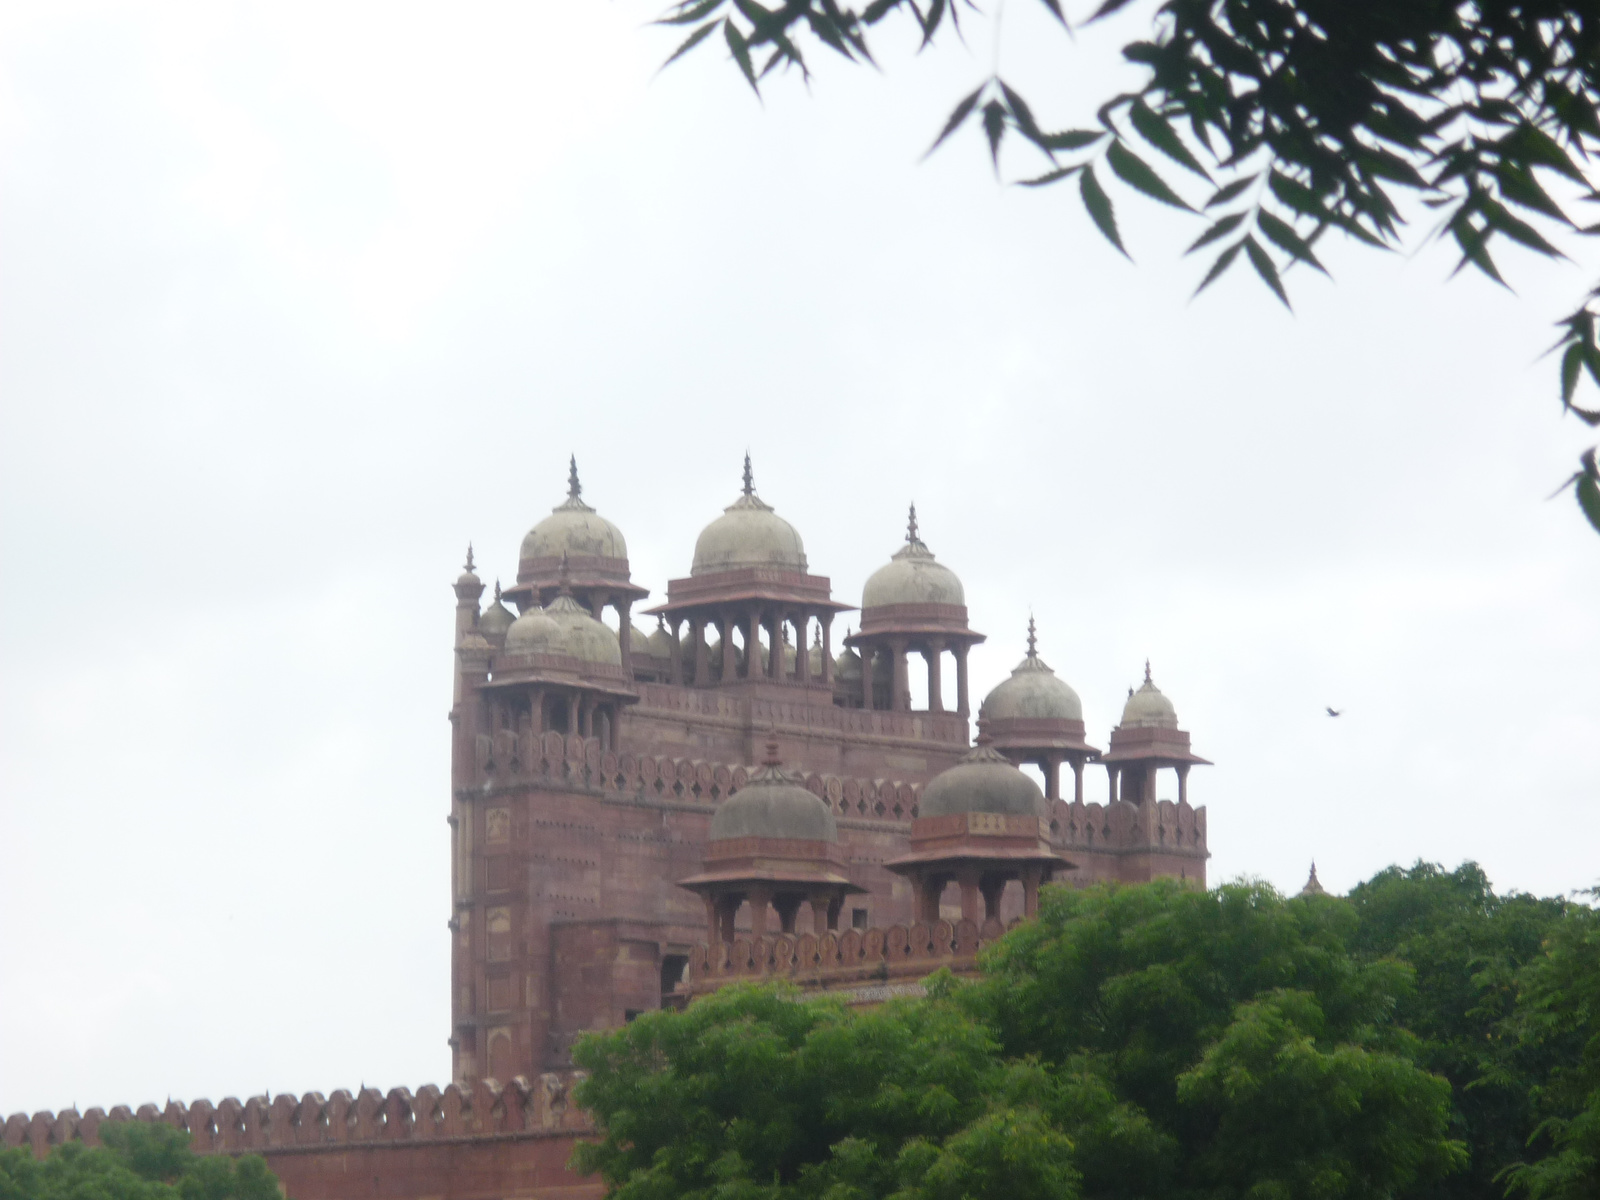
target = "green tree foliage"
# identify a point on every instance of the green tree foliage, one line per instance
(1559, 1016)
(1149, 1041)
(1239, 1026)
(1275, 121)
(138, 1161)
(751, 1095)
(1469, 949)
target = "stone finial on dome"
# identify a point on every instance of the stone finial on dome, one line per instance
(1033, 638)
(574, 488)
(468, 585)
(749, 476)
(911, 525)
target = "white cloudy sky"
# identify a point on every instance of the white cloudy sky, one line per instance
(295, 299)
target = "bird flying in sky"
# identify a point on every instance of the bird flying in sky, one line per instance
(1335, 712)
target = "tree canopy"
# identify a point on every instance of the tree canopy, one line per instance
(1423, 1037)
(1276, 121)
(137, 1161)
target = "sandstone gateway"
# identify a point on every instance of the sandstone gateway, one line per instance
(647, 802)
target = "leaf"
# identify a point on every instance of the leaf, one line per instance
(960, 113)
(1229, 191)
(741, 52)
(1136, 173)
(994, 128)
(688, 14)
(1284, 236)
(1518, 230)
(1224, 261)
(1055, 7)
(1164, 138)
(1023, 114)
(1588, 490)
(690, 42)
(1221, 228)
(1073, 139)
(1051, 176)
(1262, 262)
(1571, 369)
(1100, 209)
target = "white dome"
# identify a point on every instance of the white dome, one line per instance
(984, 781)
(497, 618)
(534, 633)
(574, 529)
(913, 576)
(583, 637)
(748, 534)
(1032, 693)
(1148, 708)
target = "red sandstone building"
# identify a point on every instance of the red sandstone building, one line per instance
(615, 848)
(590, 766)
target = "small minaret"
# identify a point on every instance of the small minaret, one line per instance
(469, 589)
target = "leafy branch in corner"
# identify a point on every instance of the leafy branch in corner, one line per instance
(1297, 117)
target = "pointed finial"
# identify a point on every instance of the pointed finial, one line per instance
(1147, 670)
(1033, 640)
(574, 488)
(911, 524)
(661, 622)
(497, 591)
(566, 582)
(469, 556)
(816, 640)
(749, 476)
(772, 759)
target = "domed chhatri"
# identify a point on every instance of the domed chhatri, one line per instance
(776, 845)
(748, 534)
(578, 550)
(911, 605)
(746, 590)
(1147, 742)
(984, 781)
(1148, 708)
(1033, 716)
(912, 576)
(573, 529)
(981, 824)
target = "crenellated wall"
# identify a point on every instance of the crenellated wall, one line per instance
(867, 965)
(484, 1142)
(559, 761)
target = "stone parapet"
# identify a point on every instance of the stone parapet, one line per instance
(833, 962)
(574, 763)
(483, 1110)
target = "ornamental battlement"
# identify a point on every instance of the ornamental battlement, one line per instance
(285, 1123)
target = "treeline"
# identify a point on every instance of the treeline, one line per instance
(1421, 1037)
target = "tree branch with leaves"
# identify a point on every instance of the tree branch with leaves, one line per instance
(1288, 119)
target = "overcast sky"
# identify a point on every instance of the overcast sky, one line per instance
(295, 299)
